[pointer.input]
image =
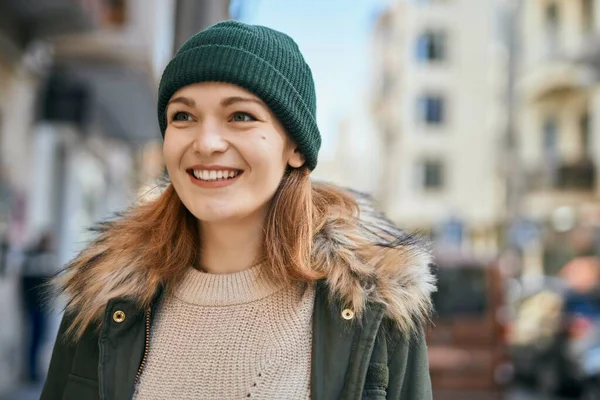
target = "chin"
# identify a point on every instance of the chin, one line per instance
(220, 213)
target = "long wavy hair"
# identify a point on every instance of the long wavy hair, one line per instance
(163, 237)
(165, 231)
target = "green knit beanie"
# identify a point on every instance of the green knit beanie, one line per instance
(264, 61)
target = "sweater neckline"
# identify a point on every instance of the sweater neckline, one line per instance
(206, 289)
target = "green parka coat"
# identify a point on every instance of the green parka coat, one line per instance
(368, 317)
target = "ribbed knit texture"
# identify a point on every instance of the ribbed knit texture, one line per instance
(230, 336)
(259, 59)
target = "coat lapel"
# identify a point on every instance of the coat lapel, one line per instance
(330, 336)
(341, 349)
(121, 349)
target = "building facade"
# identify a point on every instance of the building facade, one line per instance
(437, 103)
(559, 99)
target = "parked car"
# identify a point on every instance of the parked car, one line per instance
(467, 348)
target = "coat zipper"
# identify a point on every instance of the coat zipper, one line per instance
(146, 346)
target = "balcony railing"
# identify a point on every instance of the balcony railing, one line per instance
(579, 176)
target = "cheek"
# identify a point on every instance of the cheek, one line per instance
(267, 161)
(265, 187)
(172, 152)
(167, 149)
(266, 170)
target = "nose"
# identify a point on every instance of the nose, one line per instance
(209, 140)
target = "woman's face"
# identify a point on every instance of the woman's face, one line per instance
(225, 151)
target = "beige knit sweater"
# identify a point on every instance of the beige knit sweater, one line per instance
(230, 336)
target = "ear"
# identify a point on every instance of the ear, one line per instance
(296, 159)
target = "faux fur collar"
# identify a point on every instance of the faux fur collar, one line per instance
(369, 260)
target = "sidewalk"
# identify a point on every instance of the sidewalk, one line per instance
(24, 393)
(11, 333)
(12, 342)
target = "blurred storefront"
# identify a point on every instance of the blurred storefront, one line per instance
(97, 112)
(23, 58)
(24, 26)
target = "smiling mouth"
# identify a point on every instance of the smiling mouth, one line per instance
(214, 175)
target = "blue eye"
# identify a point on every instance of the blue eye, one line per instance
(242, 117)
(182, 116)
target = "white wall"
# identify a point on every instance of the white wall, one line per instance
(18, 115)
(467, 142)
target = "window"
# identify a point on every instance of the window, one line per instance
(420, 2)
(552, 15)
(385, 26)
(114, 13)
(431, 46)
(550, 152)
(587, 8)
(584, 129)
(552, 22)
(431, 175)
(550, 140)
(431, 109)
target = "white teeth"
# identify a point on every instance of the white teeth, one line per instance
(214, 175)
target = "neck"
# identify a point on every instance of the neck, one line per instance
(231, 247)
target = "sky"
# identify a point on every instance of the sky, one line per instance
(334, 37)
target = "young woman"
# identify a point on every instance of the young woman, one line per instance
(244, 279)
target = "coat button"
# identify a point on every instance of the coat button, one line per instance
(119, 316)
(348, 314)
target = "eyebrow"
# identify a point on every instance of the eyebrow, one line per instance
(229, 101)
(183, 100)
(236, 99)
